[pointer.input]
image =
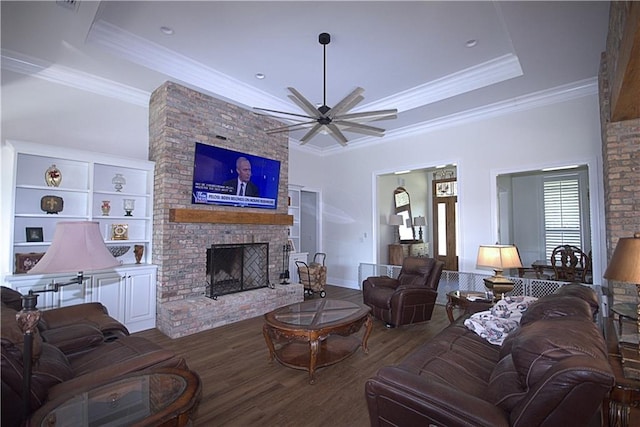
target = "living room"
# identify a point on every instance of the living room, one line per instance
(508, 137)
(555, 127)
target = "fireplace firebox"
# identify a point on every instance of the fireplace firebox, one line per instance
(237, 267)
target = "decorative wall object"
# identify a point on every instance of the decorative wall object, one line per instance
(25, 262)
(51, 204)
(117, 251)
(119, 232)
(138, 251)
(34, 234)
(106, 207)
(53, 176)
(118, 182)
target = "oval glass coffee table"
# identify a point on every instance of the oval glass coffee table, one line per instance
(160, 397)
(316, 333)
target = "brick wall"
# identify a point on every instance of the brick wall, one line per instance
(620, 154)
(178, 118)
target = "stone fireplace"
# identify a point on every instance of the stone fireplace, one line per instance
(178, 118)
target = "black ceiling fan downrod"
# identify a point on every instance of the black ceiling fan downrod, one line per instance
(324, 39)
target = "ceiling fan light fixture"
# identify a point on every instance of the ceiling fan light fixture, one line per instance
(321, 119)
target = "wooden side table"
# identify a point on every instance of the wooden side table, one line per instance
(396, 254)
(463, 300)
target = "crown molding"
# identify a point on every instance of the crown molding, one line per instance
(158, 58)
(558, 94)
(23, 64)
(494, 71)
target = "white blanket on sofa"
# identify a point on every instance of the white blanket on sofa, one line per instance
(494, 325)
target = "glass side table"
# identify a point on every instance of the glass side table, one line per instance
(629, 311)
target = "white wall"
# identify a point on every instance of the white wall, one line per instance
(560, 134)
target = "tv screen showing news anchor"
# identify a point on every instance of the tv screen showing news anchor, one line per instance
(231, 178)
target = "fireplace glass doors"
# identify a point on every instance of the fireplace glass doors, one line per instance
(237, 267)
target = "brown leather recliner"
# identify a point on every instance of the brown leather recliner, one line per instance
(408, 299)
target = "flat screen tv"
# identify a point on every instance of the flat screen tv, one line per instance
(231, 178)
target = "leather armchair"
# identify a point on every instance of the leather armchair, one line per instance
(408, 299)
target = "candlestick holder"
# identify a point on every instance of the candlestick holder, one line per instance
(129, 206)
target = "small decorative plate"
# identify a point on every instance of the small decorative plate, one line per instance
(51, 204)
(119, 232)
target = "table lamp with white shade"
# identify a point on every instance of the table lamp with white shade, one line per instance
(396, 221)
(419, 221)
(498, 258)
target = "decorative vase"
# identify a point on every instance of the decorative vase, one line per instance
(106, 207)
(138, 250)
(53, 176)
(118, 181)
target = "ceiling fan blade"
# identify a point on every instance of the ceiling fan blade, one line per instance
(370, 115)
(355, 101)
(314, 130)
(360, 128)
(346, 101)
(336, 134)
(283, 112)
(303, 103)
(296, 126)
(303, 106)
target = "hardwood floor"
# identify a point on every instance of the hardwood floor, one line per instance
(240, 387)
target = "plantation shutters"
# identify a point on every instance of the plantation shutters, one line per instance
(561, 212)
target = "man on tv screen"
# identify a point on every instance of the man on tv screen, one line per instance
(242, 186)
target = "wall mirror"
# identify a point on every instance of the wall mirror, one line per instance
(403, 208)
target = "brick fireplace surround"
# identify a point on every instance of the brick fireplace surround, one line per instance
(178, 118)
(620, 147)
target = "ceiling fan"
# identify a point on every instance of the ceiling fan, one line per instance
(333, 120)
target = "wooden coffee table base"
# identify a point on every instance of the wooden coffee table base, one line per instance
(309, 348)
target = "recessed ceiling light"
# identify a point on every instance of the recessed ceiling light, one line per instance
(260, 76)
(166, 30)
(471, 43)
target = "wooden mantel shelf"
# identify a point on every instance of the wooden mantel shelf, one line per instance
(223, 217)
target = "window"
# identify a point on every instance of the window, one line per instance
(562, 217)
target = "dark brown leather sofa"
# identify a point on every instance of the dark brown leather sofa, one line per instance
(408, 299)
(552, 371)
(75, 349)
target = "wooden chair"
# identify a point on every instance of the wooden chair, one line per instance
(569, 264)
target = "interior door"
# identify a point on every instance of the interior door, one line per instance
(445, 220)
